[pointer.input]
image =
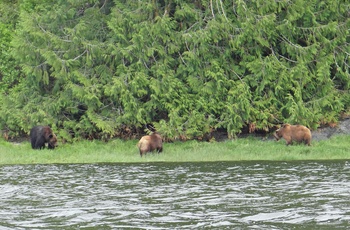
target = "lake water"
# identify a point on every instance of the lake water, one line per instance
(218, 195)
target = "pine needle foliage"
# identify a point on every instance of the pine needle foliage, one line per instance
(103, 68)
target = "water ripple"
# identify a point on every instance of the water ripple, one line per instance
(224, 195)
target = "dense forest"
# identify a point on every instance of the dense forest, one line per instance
(110, 68)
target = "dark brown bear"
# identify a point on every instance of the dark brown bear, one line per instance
(297, 133)
(39, 135)
(150, 143)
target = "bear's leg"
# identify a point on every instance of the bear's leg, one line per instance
(308, 142)
(40, 144)
(33, 143)
(288, 141)
(144, 150)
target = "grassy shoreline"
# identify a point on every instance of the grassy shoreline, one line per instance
(119, 151)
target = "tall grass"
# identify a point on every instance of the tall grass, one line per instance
(245, 149)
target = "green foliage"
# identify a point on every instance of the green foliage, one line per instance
(9, 73)
(95, 69)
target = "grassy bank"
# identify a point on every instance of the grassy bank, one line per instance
(338, 147)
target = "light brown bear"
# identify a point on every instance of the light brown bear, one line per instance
(296, 133)
(150, 143)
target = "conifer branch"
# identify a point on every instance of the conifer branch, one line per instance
(80, 55)
(104, 3)
(183, 61)
(289, 42)
(211, 7)
(275, 55)
(223, 11)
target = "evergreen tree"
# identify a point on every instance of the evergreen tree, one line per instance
(103, 68)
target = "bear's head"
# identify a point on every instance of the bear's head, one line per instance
(279, 132)
(52, 143)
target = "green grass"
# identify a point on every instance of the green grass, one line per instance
(245, 149)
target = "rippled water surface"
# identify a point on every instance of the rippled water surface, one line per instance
(221, 195)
